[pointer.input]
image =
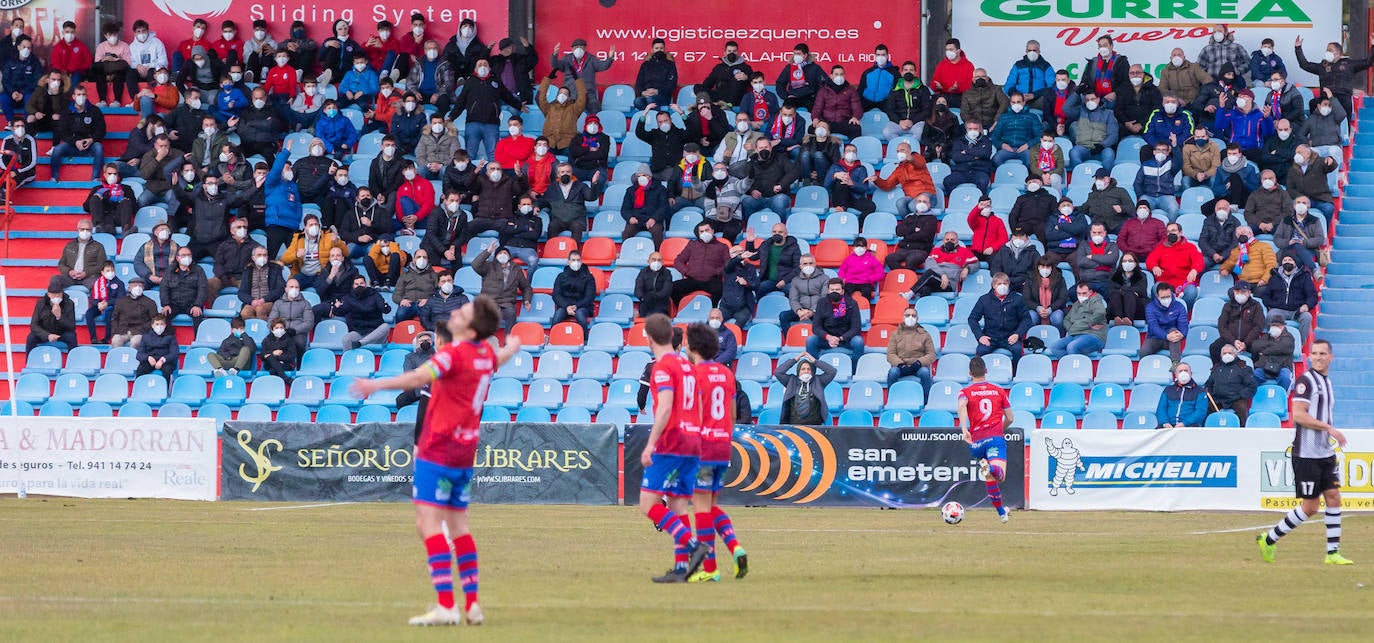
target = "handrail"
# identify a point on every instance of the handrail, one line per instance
(7, 208)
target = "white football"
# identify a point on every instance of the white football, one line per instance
(952, 512)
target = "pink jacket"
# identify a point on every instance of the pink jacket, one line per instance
(861, 270)
(121, 50)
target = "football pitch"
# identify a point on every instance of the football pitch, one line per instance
(104, 570)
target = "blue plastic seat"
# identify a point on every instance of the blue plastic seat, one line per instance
(540, 310)
(1099, 420)
(1074, 369)
(68, 387)
(328, 334)
(188, 389)
(1107, 398)
(1270, 398)
(952, 367)
(211, 333)
(94, 410)
(197, 361)
(1139, 420)
(880, 225)
(136, 410)
(255, 412)
(960, 340)
(1066, 397)
(1154, 369)
(1193, 198)
(594, 365)
(631, 365)
(1215, 286)
(229, 390)
(121, 361)
(405, 414)
(1263, 420)
(557, 365)
(933, 310)
(1222, 420)
(907, 395)
(1122, 340)
(373, 413)
(1059, 420)
(519, 367)
(533, 414)
(622, 394)
(44, 359)
(937, 419)
(495, 414)
(805, 226)
(393, 362)
(769, 307)
(961, 201)
(506, 392)
(1144, 397)
(616, 309)
(811, 198)
(841, 225)
(764, 337)
(866, 396)
(696, 309)
(1028, 397)
(586, 394)
(843, 363)
(571, 415)
(1035, 368)
(150, 389)
(871, 367)
(614, 415)
(84, 360)
(35, 388)
(110, 388)
(856, 417)
(944, 396)
(267, 389)
(1114, 369)
(634, 252)
(999, 368)
(754, 366)
(307, 390)
(291, 413)
(358, 362)
(896, 419)
(334, 414)
(622, 282)
(174, 410)
(55, 408)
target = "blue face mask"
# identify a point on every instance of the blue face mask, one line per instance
(238, 332)
(331, 112)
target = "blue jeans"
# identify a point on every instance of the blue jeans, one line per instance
(407, 312)
(1285, 378)
(779, 203)
(483, 133)
(1056, 318)
(527, 255)
(816, 344)
(1167, 203)
(1002, 156)
(1076, 345)
(11, 107)
(813, 162)
(1080, 154)
(921, 373)
(995, 344)
(63, 151)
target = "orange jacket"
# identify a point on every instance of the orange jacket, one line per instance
(912, 175)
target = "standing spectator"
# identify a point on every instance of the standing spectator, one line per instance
(21, 75)
(362, 309)
(1096, 134)
(702, 264)
(1307, 178)
(876, 82)
(989, 230)
(416, 285)
(503, 281)
(283, 203)
(1166, 323)
(1300, 235)
(260, 286)
(657, 79)
(728, 81)
(1218, 236)
(971, 159)
(654, 287)
(1085, 324)
(946, 267)
(1106, 74)
(984, 102)
(183, 291)
(1154, 182)
(1096, 259)
(158, 350)
(1128, 291)
(80, 131)
(1046, 294)
(915, 236)
(1273, 354)
(210, 210)
(861, 272)
(803, 400)
(908, 105)
(804, 294)
(574, 292)
(1031, 75)
(53, 322)
(1264, 63)
(838, 104)
(560, 114)
(911, 352)
(81, 260)
(645, 208)
(1241, 322)
(72, 57)
(836, 324)
(1017, 259)
(1232, 384)
(1223, 49)
(999, 319)
(566, 202)
(850, 185)
(800, 79)
(481, 98)
(448, 299)
(1016, 130)
(741, 280)
(1183, 403)
(279, 353)
(236, 351)
(106, 290)
(1337, 72)
(1177, 261)
(1032, 210)
(779, 259)
(132, 316)
(293, 310)
(1291, 294)
(576, 65)
(953, 75)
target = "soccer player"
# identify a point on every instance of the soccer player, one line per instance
(984, 414)
(1315, 471)
(460, 373)
(716, 397)
(670, 458)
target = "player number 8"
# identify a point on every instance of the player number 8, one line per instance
(718, 404)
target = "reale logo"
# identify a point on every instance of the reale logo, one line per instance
(191, 9)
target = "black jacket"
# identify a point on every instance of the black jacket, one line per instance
(1017, 266)
(666, 147)
(184, 289)
(362, 311)
(845, 326)
(658, 71)
(233, 256)
(653, 289)
(569, 208)
(482, 100)
(917, 232)
(789, 259)
(76, 125)
(456, 180)
(210, 214)
(574, 288)
(1231, 382)
(439, 236)
(332, 289)
(1289, 293)
(588, 152)
(524, 60)
(312, 176)
(463, 61)
(1031, 211)
(384, 177)
(655, 204)
(44, 323)
(350, 224)
(229, 348)
(721, 83)
(286, 344)
(1136, 104)
(912, 104)
(155, 345)
(777, 170)
(734, 294)
(522, 231)
(260, 125)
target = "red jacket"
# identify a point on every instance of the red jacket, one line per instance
(281, 80)
(952, 77)
(386, 107)
(191, 43)
(514, 152)
(539, 173)
(419, 190)
(1176, 261)
(407, 44)
(71, 58)
(376, 56)
(988, 232)
(224, 47)
(703, 261)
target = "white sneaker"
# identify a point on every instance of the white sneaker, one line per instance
(475, 614)
(1006, 517)
(219, 372)
(438, 615)
(233, 371)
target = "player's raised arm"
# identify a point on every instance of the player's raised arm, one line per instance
(508, 351)
(420, 377)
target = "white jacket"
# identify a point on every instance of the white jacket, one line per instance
(151, 54)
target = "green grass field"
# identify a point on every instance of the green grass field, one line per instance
(92, 570)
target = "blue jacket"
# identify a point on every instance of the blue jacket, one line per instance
(283, 198)
(735, 296)
(1016, 129)
(1186, 405)
(999, 318)
(362, 312)
(1155, 178)
(1029, 77)
(337, 132)
(1249, 130)
(876, 83)
(729, 346)
(155, 345)
(365, 82)
(407, 128)
(1248, 174)
(22, 75)
(229, 103)
(1158, 322)
(1161, 125)
(1262, 67)
(859, 175)
(972, 157)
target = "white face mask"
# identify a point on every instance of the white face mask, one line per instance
(452, 206)
(310, 90)
(184, 261)
(860, 251)
(1098, 239)
(317, 151)
(288, 175)
(706, 237)
(1104, 51)
(108, 275)
(1017, 107)
(386, 252)
(79, 100)
(1061, 85)
(1300, 208)
(69, 37)
(336, 262)
(417, 31)
(1101, 184)
(1299, 159)
(1268, 184)
(837, 79)
(1001, 290)
(1227, 358)
(593, 128)
(467, 33)
(260, 261)
(279, 332)
(1090, 105)
(409, 174)
(513, 131)
(1166, 302)
(715, 324)
(16, 32)
(951, 54)
(112, 40)
(526, 209)
(808, 270)
(787, 120)
(494, 176)
(797, 59)
(1033, 187)
(1219, 36)
(420, 262)
(313, 230)
(541, 150)
(1242, 299)
(1329, 56)
(437, 128)
(1242, 103)
(822, 132)
(259, 103)
(163, 235)
(359, 67)
(850, 156)
(1184, 377)
(1275, 331)
(658, 265)
(293, 292)
(663, 127)
(136, 292)
(805, 378)
(720, 175)
(84, 235)
(1283, 134)
(446, 288)
(1170, 108)
(1018, 243)
(1128, 266)
(1045, 272)
(1324, 110)
(643, 181)
(159, 328)
(503, 258)
(1066, 211)
(431, 54)
(282, 60)
(1160, 156)
(1223, 215)
(1177, 61)
(579, 52)
(341, 179)
(1136, 81)
(922, 207)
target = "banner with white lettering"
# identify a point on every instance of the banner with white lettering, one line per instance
(109, 457)
(1183, 469)
(993, 33)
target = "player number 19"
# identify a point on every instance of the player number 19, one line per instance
(689, 392)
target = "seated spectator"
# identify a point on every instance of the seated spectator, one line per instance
(503, 281)
(1278, 151)
(156, 257)
(185, 121)
(418, 282)
(1200, 159)
(279, 354)
(106, 290)
(1232, 384)
(385, 105)
(132, 316)
(706, 122)
(803, 400)
(771, 175)
(433, 77)
(1108, 203)
(589, 153)
(1183, 403)
(574, 292)
(725, 338)
(1096, 260)
(384, 175)
(1291, 293)
(1285, 101)
(184, 289)
(50, 101)
(232, 257)
(1322, 129)
(1154, 182)
(1137, 101)
(1065, 232)
(334, 281)
(260, 127)
(79, 132)
(414, 200)
(458, 175)
(340, 196)
(970, 159)
(156, 167)
(838, 104)
(359, 84)
(911, 352)
(363, 223)
(1016, 259)
(739, 144)
(817, 152)
(1250, 261)
(296, 313)
(1300, 235)
(53, 322)
(654, 287)
(1171, 125)
(1061, 105)
(303, 256)
(1268, 205)
(911, 175)
(495, 192)
(158, 350)
(787, 131)
(989, 230)
(779, 258)
(81, 260)
(915, 236)
(1177, 261)
(1307, 177)
(1273, 354)
(645, 208)
(687, 180)
(208, 141)
(436, 148)
(384, 263)
(1208, 103)
(1031, 210)
(723, 200)
(19, 151)
(362, 309)
(946, 267)
(1264, 62)
(999, 319)
(1241, 322)
(1016, 130)
(230, 100)
(1247, 123)
(1085, 324)
(448, 299)
(741, 280)
(111, 203)
(210, 208)
(566, 202)
(861, 271)
(984, 101)
(805, 294)
(236, 352)
(702, 264)
(1166, 323)
(22, 72)
(422, 349)
(908, 105)
(522, 231)
(1046, 294)
(335, 130)
(1128, 291)
(260, 286)
(446, 227)
(1142, 233)
(1047, 162)
(836, 324)
(1096, 133)
(1236, 178)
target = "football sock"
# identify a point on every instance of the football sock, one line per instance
(466, 550)
(441, 568)
(1289, 523)
(681, 554)
(997, 472)
(725, 528)
(995, 495)
(1333, 529)
(666, 520)
(706, 532)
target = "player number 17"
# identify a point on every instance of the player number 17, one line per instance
(1308, 488)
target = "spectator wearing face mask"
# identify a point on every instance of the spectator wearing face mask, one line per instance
(702, 264)
(818, 151)
(911, 174)
(156, 256)
(1183, 403)
(481, 99)
(416, 284)
(80, 131)
(310, 251)
(1222, 49)
(432, 79)
(861, 270)
(184, 290)
(654, 287)
(800, 79)
(1336, 72)
(132, 316)
(1268, 205)
(804, 293)
(706, 123)
(70, 55)
(22, 73)
(111, 203)
(836, 324)
(1209, 98)
(1241, 322)
(447, 299)
(579, 64)
(1278, 151)
(283, 203)
(725, 338)
(741, 281)
(231, 257)
(803, 400)
(589, 152)
(984, 101)
(1182, 77)
(1154, 181)
(946, 268)
(336, 131)
(953, 75)
(1106, 74)
(514, 67)
(645, 208)
(1046, 294)
(210, 208)
(1017, 259)
(688, 180)
(106, 290)
(1177, 261)
(1096, 259)
(1128, 291)
(53, 322)
(999, 319)
(307, 106)
(1096, 134)
(19, 151)
(758, 106)
(1218, 235)
(1047, 160)
(970, 159)
(1171, 124)
(657, 78)
(1200, 159)
(386, 103)
(566, 202)
(1246, 124)
(514, 151)
(414, 199)
(1061, 105)
(495, 192)
(158, 350)
(1065, 232)
(1016, 131)
(236, 351)
(503, 281)
(728, 81)
(722, 199)
(1307, 178)
(561, 113)
(297, 313)
(1250, 261)
(1300, 235)
(911, 352)
(359, 85)
(362, 309)
(1236, 178)
(989, 230)
(1085, 324)
(574, 292)
(1031, 211)
(1031, 75)
(279, 355)
(260, 286)
(1264, 62)
(521, 233)
(1322, 129)
(837, 103)
(1166, 323)
(1273, 354)
(384, 263)
(337, 52)
(1232, 385)
(850, 185)
(48, 100)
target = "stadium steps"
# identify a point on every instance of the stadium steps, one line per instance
(1349, 286)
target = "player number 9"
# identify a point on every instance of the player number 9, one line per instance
(985, 405)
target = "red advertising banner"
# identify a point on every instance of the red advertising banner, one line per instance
(695, 32)
(43, 20)
(171, 18)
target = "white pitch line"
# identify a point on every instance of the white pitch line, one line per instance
(1230, 531)
(322, 504)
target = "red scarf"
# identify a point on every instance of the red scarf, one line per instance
(101, 290)
(796, 77)
(639, 196)
(760, 107)
(782, 130)
(1046, 160)
(1102, 75)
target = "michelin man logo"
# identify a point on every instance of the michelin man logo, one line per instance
(190, 9)
(1069, 463)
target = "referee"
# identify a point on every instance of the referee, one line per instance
(1314, 458)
